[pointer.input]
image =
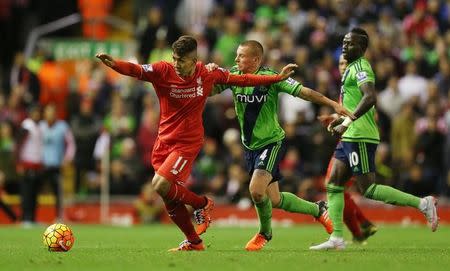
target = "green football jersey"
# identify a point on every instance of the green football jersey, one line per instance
(257, 109)
(365, 128)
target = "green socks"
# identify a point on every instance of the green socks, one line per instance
(264, 210)
(391, 195)
(335, 196)
(291, 203)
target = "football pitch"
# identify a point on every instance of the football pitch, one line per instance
(145, 248)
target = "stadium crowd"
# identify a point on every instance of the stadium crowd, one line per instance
(409, 51)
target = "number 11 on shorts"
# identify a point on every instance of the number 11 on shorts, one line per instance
(178, 166)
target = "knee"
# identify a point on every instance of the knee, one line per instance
(257, 196)
(368, 190)
(366, 185)
(160, 185)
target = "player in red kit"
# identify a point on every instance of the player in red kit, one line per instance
(182, 88)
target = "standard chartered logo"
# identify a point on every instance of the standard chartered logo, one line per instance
(243, 98)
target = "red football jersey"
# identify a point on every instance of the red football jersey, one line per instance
(182, 100)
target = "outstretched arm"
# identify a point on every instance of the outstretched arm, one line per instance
(317, 97)
(122, 67)
(244, 80)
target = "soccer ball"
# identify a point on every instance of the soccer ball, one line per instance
(58, 237)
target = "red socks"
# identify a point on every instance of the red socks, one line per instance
(350, 215)
(181, 217)
(179, 193)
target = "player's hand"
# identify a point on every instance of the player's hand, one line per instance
(287, 71)
(106, 59)
(334, 123)
(339, 130)
(343, 111)
(325, 120)
(211, 67)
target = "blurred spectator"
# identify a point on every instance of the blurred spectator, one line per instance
(149, 205)
(243, 14)
(54, 85)
(227, 44)
(429, 153)
(146, 137)
(160, 52)
(366, 12)
(237, 186)
(13, 111)
(305, 32)
(235, 154)
(207, 167)
(21, 75)
(389, 100)
(446, 187)
(156, 35)
(388, 25)
(442, 77)
(423, 53)
(58, 151)
(419, 21)
(323, 144)
(5, 207)
(339, 25)
(191, 15)
(126, 170)
(431, 114)
(414, 183)
(86, 128)
(412, 84)
(212, 27)
(119, 124)
(403, 138)
(259, 32)
(8, 175)
(291, 107)
(273, 11)
(7, 154)
(94, 14)
(440, 11)
(289, 168)
(297, 17)
(29, 167)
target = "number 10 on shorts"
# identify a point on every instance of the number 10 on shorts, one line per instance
(353, 159)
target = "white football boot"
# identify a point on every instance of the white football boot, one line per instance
(334, 243)
(428, 208)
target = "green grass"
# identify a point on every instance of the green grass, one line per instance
(145, 248)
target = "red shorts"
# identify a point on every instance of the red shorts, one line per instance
(330, 167)
(174, 161)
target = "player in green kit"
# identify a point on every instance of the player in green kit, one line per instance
(355, 154)
(263, 139)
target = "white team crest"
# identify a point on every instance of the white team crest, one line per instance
(199, 81)
(360, 76)
(147, 67)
